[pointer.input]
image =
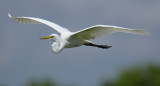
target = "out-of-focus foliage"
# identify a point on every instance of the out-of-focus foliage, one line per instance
(46, 82)
(140, 76)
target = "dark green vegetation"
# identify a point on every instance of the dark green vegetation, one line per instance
(140, 76)
(137, 76)
(46, 82)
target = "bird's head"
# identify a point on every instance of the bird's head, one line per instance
(52, 37)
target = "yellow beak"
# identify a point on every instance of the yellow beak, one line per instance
(47, 37)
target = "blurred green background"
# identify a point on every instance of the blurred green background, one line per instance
(146, 75)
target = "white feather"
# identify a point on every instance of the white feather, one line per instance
(100, 30)
(32, 20)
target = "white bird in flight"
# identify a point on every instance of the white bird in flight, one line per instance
(70, 39)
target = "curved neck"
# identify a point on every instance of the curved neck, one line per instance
(56, 44)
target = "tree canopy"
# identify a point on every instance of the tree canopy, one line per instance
(140, 76)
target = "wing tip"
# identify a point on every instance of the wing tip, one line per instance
(145, 32)
(9, 15)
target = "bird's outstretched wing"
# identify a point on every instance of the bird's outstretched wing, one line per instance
(32, 20)
(100, 30)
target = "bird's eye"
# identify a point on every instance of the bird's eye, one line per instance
(52, 36)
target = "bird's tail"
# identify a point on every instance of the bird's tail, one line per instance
(99, 46)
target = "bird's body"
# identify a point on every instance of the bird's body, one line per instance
(69, 39)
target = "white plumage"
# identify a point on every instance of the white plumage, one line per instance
(74, 39)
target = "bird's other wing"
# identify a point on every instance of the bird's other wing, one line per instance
(32, 20)
(100, 30)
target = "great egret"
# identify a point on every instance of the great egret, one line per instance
(70, 39)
